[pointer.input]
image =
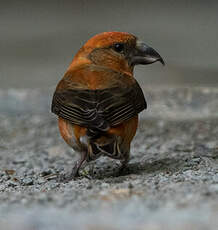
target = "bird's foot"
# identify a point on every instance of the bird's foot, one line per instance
(65, 178)
(85, 173)
(123, 169)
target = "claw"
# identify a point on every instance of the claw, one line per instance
(63, 178)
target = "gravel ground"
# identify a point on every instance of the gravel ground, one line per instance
(171, 181)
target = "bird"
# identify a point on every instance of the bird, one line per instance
(98, 100)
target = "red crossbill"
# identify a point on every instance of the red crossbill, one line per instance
(98, 100)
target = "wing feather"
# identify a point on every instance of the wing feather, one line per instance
(99, 109)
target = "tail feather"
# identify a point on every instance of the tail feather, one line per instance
(94, 133)
(96, 146)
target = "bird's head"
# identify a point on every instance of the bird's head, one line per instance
(117, 50)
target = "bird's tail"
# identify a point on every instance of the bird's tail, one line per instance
(90, 145)
(98, 143)
(94, 133)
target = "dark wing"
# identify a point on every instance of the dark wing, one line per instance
(120, 104)
(99, 109)
(79, 107)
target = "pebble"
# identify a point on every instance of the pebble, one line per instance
(105, 185)
(2, 187)
(46, 172)
(11, 183)
(41, 180)
(19, 160)
(89, 186)
(27, 181)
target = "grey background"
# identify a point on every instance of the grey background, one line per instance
(39, 38)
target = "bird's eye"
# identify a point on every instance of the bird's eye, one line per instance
(119, 47)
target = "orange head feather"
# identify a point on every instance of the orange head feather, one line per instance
(116, 50)
(107, 39)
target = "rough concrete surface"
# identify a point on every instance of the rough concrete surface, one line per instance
(171, 181)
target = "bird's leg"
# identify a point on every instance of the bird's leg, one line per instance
(75, 171)
(77, 166)
(124, 163)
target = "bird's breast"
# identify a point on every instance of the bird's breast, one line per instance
(95, 77)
